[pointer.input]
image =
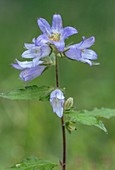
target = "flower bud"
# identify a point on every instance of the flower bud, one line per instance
(70, 125)
(68, 103)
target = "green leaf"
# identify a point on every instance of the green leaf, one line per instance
(85, 119)
(33, 163)
(41, 93)
(91, 117)
(103, 112)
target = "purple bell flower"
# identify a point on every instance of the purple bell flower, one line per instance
(32, 69)
(57, 102)
(29, 70)
(34, 50)
(55, 34)
(81, 51)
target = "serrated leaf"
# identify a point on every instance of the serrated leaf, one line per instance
(103, 112)
(33, 163)
(41, 93)
(85, 119)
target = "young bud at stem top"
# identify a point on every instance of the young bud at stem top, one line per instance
(68, 103)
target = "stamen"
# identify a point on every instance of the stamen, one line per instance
(55, 37)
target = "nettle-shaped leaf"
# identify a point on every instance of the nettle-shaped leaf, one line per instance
(42, 93)
(88, 118)
(34, 92)
(33, 163)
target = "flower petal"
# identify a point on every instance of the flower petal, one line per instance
(37, 51)
(25, 64)
(59, 45)
(42, 39)
(57, 107)
(73, 53)
(36, 62)
(57, 23)
(86, 43)
(40, 51)
(89, 54)
(68, 31)
(28, 46)
(45, 50)
(27, 54)
(86, 61)
(57, 94)
(44, 26)
(17, 66)
(32, 73)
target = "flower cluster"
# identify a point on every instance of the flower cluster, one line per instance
(34, 68)
(52, 40)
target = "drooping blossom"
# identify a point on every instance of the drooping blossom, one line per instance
(57, 102)
(81, 51)
(28, 70)
(32, 69)
(55, 34)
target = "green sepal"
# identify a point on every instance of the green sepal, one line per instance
(34, 92)
(49, 60)
(33, 163)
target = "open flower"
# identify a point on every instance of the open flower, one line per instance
(57, 102)
(34, 50)
(55, 34)
(29, 70)
(32, 69)
(81, 52)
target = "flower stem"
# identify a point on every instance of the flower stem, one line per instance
(62, 163)
(57, 80)
(64, 143)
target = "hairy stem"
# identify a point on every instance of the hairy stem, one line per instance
(63, 163)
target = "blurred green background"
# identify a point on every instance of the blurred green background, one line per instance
(30, 128)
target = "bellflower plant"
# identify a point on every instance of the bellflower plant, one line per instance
(45, 51)
(52, 41)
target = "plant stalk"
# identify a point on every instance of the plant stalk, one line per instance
(62, 163)
(64, 143)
